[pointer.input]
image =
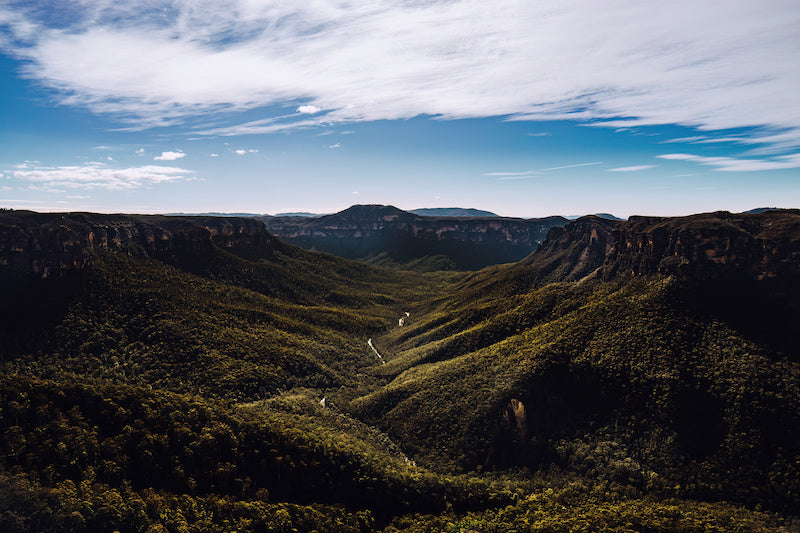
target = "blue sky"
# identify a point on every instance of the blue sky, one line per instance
(522, 108)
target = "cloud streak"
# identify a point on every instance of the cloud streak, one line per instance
(527, 174)
(631, 169)
(97, 175)
(733, 164)
(619, 64)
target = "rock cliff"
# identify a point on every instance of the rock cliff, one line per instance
(719, 245)
(41, 245)
(714, 245)
(367, 231)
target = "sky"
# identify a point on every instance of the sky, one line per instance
(524, 108)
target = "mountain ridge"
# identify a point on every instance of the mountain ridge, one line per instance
(365, 232)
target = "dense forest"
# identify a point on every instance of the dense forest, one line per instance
(176, 374)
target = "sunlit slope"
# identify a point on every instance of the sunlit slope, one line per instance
(668, 379)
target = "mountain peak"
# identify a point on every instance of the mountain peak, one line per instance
(453, 212)
(371, 212)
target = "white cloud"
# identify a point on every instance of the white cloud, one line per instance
(631, 169)
(704, 139)
(140, 151)
(97, 175)
(337, 145)
(733, 164)
(621, 64)
(243, 152)
(527, 174)
(170, 156)
(523, 173)
(692, 139)
(573, 166)
(214, 155)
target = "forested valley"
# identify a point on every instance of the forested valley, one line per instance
(177, 374)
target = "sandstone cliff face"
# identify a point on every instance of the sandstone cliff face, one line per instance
(574, 251)
(707, 246)
(41, 245)
(366, 231)
(715, 245)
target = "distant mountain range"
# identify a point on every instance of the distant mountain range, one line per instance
(452, 212)
(606, 216)
(389, 236)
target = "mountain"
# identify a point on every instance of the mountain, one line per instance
(452, 212)
(607, 216)
(239, 215)
(389, 236)
(198, 374)
(758, 210)
(661, 351)
(298, 214)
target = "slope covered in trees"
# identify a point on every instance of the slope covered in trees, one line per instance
(196, 374)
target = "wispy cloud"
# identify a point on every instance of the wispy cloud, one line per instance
(337, 145)
(733, 164)
(572, 166)
(631, 169)
(625, 64)
(527, 174)
(96, 175)
(704, 139)
(242, 151)
(170, 156)
(523, 173)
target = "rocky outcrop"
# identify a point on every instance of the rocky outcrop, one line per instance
(367, 231)
(41, 245)
(718, 245)
(714, 245)
(574, 251)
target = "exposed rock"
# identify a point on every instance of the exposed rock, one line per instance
(41, 245)
(706, 246)
(714, 245)
(367, 231)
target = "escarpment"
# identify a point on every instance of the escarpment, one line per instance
(715, 245)
(370, 231)
(41, 245)
(700, 247)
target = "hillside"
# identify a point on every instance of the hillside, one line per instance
(198, 374)
(658, 351)
(389, 236)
